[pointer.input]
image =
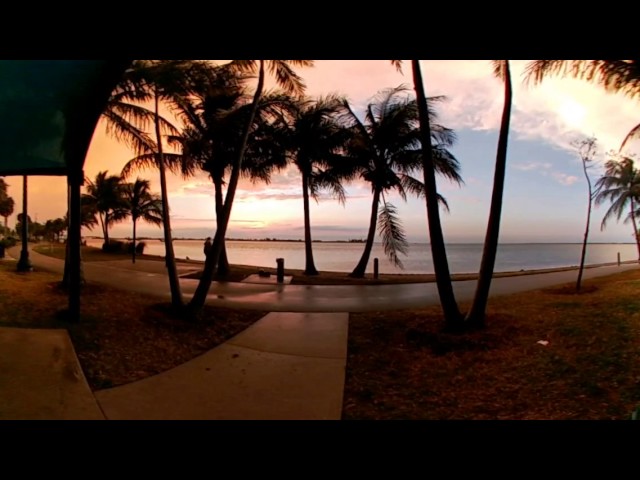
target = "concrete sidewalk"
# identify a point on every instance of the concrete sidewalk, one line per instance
(286, 366)
(41, 379)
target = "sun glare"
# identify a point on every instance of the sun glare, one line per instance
(572, 112)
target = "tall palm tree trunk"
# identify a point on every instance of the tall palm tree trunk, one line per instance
(635, 226)
(223, 262)
(105, 226)
(453, 318)
(174, 282)
(133, 250)
(361, 267)
(200, 295)
(309, 265)
(476, 315)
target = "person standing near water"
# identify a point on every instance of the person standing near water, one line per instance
(207, 246)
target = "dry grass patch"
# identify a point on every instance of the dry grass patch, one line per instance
(401, 365)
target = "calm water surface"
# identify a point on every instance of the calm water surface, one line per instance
(343, 257)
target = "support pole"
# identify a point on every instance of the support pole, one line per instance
(24, 264)
(75, 180)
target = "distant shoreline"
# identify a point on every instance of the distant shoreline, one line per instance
(284, 240)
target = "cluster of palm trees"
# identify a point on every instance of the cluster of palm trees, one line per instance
(51, 230)
(7, 204)
(110, 200)
(228, 132)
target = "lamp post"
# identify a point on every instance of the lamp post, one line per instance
(24, 265)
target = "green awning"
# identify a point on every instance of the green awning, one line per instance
(48, 107)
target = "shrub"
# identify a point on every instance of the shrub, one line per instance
(140, 248)
(114, 246)
(8, 242)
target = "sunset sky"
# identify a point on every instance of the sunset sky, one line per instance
(545, 195)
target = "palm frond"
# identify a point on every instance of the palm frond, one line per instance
(331, 180)
(633, 134)
(393, 238)
(412, 185)
(614, 75)
(499, 68)
(443, 201)
(136, 139)
(174, 162)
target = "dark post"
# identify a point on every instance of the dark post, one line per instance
(24, 265)
(75, 180)
(280, 271)
(375, 268)
(618, 258)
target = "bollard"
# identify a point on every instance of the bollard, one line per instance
(618, 258)
(375, 269)
(280, 269)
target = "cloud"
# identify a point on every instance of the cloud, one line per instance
(564, 179)
(194, 189)
(529, 166)
(331, 228)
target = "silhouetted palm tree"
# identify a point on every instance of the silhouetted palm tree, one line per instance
(476, 315)
(7, 204)
(386, 145)
(615, 76)
(292, 83)
(620, 185)
(214, 116)
(313, 137)
(452, 316)
(156, 81)
(143, 205)
(106, 193)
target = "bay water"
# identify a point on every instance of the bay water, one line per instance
(343, 256)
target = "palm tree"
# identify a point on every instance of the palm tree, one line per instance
(386, 145)
(107, 194)
(452, 316)
(615, 76)
(292, 83)
(7, 204)
(313, 137)
(214, 114)
(142, 204)
(620, 184)
(157, 81)
(476, 315)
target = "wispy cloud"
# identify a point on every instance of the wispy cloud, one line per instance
(564, 179)
(193, 189)
(332, 228)
(529, 166)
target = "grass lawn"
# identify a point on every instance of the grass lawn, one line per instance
(548, 354)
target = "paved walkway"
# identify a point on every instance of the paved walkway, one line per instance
(288, 365)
